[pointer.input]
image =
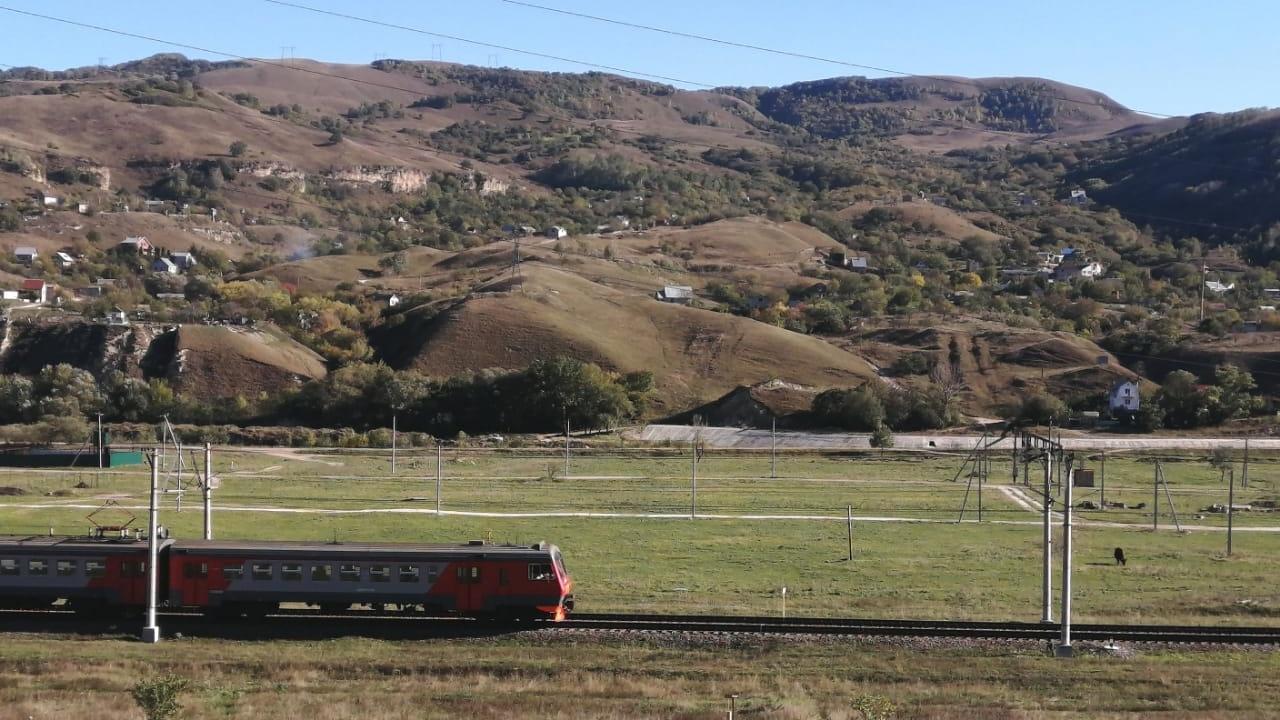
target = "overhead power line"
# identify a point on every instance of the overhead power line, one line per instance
(480, 43)
(790, 53)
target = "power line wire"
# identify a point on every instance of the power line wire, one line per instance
(480, 43)
(791, 53)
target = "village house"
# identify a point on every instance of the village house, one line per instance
(555, 232)
(135, 246)
(35, 290)
(25, 255)
(63, 260)
(1078, 268)
(1123, 397)
(1216, 287)
(184, 260)
(1078, 197)
(678, 294)
(116, 316)
(164, 265)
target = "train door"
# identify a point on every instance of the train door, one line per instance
(132, 571)
(470, 595)
(194, 581)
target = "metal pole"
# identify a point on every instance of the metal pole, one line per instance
(566, 447)
(1103, 502)
(773, 449)
(693, 481)
(1155, 497)
(784, 602)
(208, 491)
(393, 444)
(1046, 589)
(1064, 645)
(439, 473)
(981, 473)
(151, 633)
(1231, 500)
(100, 441)
(1244, 475)
(849, 517)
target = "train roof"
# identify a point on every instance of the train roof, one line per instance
(296, 547)
(59, 544)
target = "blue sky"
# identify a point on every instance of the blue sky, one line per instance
(1166, 56)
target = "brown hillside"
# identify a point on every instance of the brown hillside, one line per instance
(696, 355)
(221, 361)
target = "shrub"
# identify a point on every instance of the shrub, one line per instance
(158, 696)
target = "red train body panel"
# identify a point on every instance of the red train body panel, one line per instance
(235, 577)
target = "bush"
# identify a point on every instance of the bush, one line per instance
(158, 696)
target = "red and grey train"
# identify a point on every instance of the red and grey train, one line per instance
(255, 577)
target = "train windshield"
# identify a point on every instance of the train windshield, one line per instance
(558, 559)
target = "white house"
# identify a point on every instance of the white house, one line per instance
(25, 255)
(165, 265)
(1123, 397)
(35, 290)
(1079, 197)
(678, 294)
(116, 316)
(64, 260)
(555, 232)
(1214, 286)
(1071, 269)
(83, 208)
(134, 245)
(50, 200)
(184, 260)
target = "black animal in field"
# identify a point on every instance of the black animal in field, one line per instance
(1120, 556)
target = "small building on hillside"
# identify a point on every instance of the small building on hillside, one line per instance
(118, 317)
(1123, 397)
(135, 246)
(64, 260)
(1076, 267)
(25, 255)
(1078, 197)
(164, 265)
(678, 294)
(1218, 288)
(184, 260)
(35, 290)
(555, 232)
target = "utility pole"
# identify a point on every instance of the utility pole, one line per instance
(693, 482)
(150, 632)
(1244, 475)
(439, 473)
(849, 517)
(1204, 269)
(1231, 510)
(208, 491)
(99, 441)
(1046, 589)
(566, 447)
(1064, 644)
(1155, 497)
(393, 444)
(773, 449)
(1103, 501)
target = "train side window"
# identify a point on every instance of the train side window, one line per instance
(133, 569)
(94, 568)
(195, 570)
(8, 566)
(475, 573)
(291, 571)
(233, 572)
(37, 567)
(409, 573)
(262, 571)
(322, 573)
(349, 573)
(432, 573)
(66, 567)
(540, 571)
(380, 573)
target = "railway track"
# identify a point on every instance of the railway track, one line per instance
(302, 623)
(925, 628)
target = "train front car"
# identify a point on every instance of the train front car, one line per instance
(88, 574)
(472, 580)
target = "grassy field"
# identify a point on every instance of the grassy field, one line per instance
(559, 677)
(636, 560)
